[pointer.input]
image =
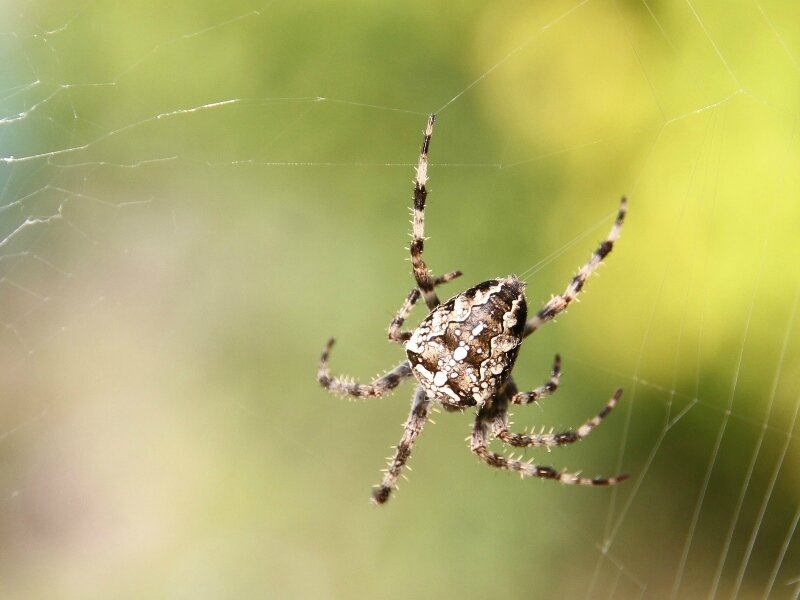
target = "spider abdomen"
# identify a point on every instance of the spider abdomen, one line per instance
(464, 350)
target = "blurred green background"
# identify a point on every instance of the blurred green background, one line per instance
(194, 196)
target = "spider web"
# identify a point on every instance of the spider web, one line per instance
(192, 198)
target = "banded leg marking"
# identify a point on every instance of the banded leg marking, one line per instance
(345, 387)
(399, 337)
(543, 390)
(548, 440)
(414, 424)
(479, 445)
(421, 273)
(559, 303)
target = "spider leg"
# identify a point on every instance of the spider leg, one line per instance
(413, 426)
(559, 303)
(399, 337)
(420, 270)
(479, 445)
(499, 425)
(548, 388)
(446, 278)
(377, 388)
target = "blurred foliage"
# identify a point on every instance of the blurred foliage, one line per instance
(195, 196)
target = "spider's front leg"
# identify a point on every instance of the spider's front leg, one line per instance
(345, 387)
(479, 445)
(414, 424)
(421, 273)
(399, 337)
(559, 303)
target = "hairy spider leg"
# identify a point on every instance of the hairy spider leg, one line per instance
(499, 425)
(420, 269)
(412, 428)
(395, 334)
(399, 337)
(548, 388)
(479, 445)
(345, 387)
(559, 303)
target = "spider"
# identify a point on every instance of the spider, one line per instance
(463, 352)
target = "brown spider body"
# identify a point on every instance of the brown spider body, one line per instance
(463, 351)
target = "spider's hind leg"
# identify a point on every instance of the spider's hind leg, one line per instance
(516, 397)
(499, 425)
(413, 426)
(344, 387)
(480, 442)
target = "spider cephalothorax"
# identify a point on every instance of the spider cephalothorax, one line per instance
(463, 352)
